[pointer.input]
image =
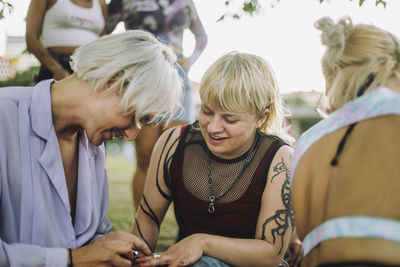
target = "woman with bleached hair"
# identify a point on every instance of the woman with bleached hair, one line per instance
(226, 174)
(345, 169)
(53, 181)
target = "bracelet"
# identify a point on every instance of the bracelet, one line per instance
(70, 264)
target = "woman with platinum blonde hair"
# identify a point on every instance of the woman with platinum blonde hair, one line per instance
(227, 175)
(345, 169)
(53, 181)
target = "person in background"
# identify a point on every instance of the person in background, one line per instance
(55, 28)
(167, 19)
(345, 169)
(53, 181)
(227, 175)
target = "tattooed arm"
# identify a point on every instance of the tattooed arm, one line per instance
(156, 197)
(273, 230)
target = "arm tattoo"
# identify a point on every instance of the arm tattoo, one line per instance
(150, 212)
(144, 205)
(165, 165)
(141, 235)
(283, 218)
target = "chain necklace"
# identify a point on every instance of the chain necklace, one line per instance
(213, 198)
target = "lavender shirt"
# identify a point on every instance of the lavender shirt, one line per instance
(35, 221)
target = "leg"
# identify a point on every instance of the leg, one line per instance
(144, 144)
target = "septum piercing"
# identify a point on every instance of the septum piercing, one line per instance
(113, 135)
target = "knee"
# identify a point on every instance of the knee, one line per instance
(143, 160)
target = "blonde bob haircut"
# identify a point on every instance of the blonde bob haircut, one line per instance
(241, 82)
(360, 51)
(141, 69)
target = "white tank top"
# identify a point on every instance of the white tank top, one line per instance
(67, 24)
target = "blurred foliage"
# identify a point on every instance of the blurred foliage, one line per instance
(120, 211)
(249, 7)
(23, 78)
(5, 8)
(252, 7)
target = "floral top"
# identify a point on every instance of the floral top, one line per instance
(165, 18)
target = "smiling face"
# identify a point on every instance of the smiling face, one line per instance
(106, 120)
(227, 134)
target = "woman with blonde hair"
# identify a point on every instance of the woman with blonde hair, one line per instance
(227, 174)
(346, 168)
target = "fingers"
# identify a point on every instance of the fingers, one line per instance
(152, 260)
(297, 255)
(139, 244)
(164, 259)
(135, 242)
(111, 253)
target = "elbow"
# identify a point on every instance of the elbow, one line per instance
(204, 39)
(29, 42)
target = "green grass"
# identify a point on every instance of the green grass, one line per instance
(121, 211)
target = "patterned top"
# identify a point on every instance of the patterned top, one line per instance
(165, 18)
(379, 102)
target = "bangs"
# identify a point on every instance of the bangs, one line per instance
(230, 86)
(227, 97)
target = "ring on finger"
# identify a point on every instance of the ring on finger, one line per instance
(155, 256)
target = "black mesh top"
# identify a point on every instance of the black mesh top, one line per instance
(235, 213)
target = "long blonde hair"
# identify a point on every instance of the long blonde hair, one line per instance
(361, 51)
(242, 82)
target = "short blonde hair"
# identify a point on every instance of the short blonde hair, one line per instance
(242, 82)
(143, 70)
(360, 51)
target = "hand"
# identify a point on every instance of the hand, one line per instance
(135, 242)
(113, 249)
(60, 74)
(295, 252)
(184, 253)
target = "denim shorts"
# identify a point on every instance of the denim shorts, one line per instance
(188, 115)
(206, 261)
(45, 73)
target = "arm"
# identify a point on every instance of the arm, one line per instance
(156, 196)
(199, 33)
(104, 9)
(295, 251)
(114, 15)
(273, 231)
(34, 22)
(196, 27)
(17, 255)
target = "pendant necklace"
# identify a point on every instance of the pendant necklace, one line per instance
(213, 198)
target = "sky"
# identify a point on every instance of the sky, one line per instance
(284, 34)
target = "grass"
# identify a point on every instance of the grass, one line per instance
(121, 211)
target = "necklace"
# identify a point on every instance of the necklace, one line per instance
(213, 198)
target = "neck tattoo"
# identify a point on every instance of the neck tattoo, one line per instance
(213, 198)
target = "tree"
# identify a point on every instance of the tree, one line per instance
(5, 8)
(251, 7)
